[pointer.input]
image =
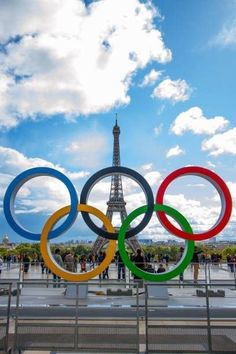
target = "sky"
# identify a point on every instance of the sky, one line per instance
(165, 67)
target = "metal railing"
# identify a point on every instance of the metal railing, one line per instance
(18, 271)
(129, 318)
(203, 330)
(67, 327)
(5, 318)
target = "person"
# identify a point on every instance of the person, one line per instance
(148, 257)
(105, 272)
(166, 259)
(232, 264)
(42, 265)
(150, 268)
(8, 262)
(1, 265)
(83, 264)
(195, 264)
(91, 261)
(69, 262)
(99, 261)
(139, 261)
(120, 266)
(161, 268)
(58, 260)
(26, 263)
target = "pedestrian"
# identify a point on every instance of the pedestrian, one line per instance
(231, 263)
(91, 261)
(139, 261)
(69, 262)
(1, 265)
(195, 264)
(161, 268)
(8, 262)
(59, 261)
(26, 263)
(120, 266)
(105, 274)
(83, 264)
(166, 259)
(42, 265)
(99, 261)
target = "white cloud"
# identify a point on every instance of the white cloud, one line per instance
(220, 144)
(151, 78)
(232, 188)
(196, 185)
(158, 129)
(6, 118)
(153, 178)
(226, 37)
(41, 194)
(175, 91)
(193, 120)
(147, 167)
(88, 150)
(199, 215)
(211, 164)
(73, 60)
(175, 151)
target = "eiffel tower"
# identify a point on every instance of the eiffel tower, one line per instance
(116, 203)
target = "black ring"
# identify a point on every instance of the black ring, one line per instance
(122, 171)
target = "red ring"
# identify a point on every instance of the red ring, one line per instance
(221, 187)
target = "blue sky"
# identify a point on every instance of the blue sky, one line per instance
(165, 67)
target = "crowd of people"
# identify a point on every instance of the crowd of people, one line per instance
(150, 263)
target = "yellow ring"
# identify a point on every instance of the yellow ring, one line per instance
(46, 252)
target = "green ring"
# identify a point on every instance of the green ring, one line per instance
(180, 266)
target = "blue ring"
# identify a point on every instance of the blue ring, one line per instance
(15, 185)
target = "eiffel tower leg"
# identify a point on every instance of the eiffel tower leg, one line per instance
(133, 244)
(101, 241)
(98, 244)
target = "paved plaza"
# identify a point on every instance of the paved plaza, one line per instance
(179, 295)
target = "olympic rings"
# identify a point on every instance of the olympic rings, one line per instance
(181, 265)
(121, 171)
(51, 263)
(15, 185)
(221, 187)
(160, 209)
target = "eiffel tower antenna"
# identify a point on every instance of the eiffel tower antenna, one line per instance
(116, 202)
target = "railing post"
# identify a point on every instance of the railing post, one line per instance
(16, 320)
(137, 313)
(8, 315)
(146, 316)
(209, 274)
(20, 273)
(208, 320)
(23, 274)
(127, 269)
(47, 278)
(76, 316)
(233, 267)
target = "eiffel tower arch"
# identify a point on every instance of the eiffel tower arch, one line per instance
(116, 202)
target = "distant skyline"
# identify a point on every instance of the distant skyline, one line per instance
(167, 68)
